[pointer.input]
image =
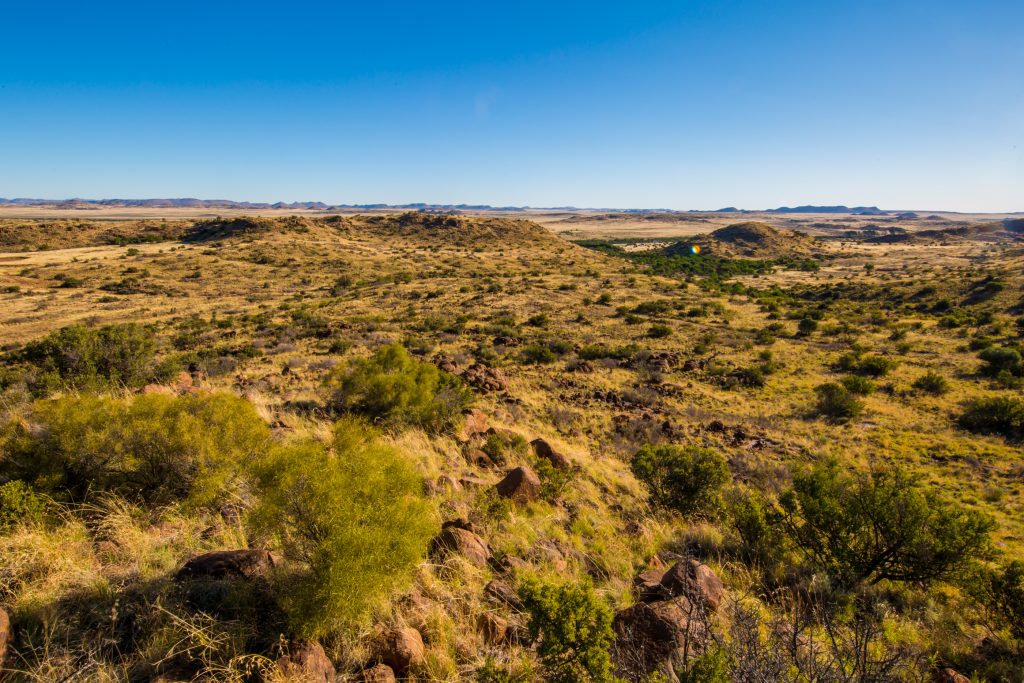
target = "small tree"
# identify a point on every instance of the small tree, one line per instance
(573, 630)
(687, 479)
(394, 389)
(837, 403)
(883, 525)
(355, 516)
(999, 414)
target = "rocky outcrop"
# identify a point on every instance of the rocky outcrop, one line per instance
(520, 485)
(401, 649)
(228, 564)
(542, 449)
(695, 581)
(381, 673)
(306, 661)
(648, 637)
(460, 541)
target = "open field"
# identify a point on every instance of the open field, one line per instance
(596, 349)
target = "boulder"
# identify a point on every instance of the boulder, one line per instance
(402, 648)
(493, 628)
(695, 581)
(649, 636)
(475, 456)
(502, 593)
(648, 585)
(5, 634)
(382, 673)
(474, 424)
(462, 542)
(484, 379)
(947, 675)
(228, 564)
(542, 449)
(306, 661)
(520, 485)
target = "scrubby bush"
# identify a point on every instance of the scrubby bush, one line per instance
(999, 359)
(659, 331)
(932, 383)
(1001, 591)
(837, 403)
(86, 357)
(855, 384)
(870, 365)
(573, 630)
(394, 389)
(19, 504)
(863, 527)
(998, 414)
(155, 447)
(756, 522)
(687, 479)
(355, 516)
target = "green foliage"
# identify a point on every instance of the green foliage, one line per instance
(86, 357)
(932, 383)
(1001, 591)
(355, 516)
(997, 414)
(687, 479)
(870, 365)
(884, 525)
(573, 627)
(19, 504)
(1001, 359)
(756, 522)
(837, 403)
(394, 389)
(807, 326)
(155, 448)
(659, 331)
(855, 384)
(710, 667)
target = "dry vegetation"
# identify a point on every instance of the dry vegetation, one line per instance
(766, 408)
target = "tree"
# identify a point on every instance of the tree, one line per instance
(687, 479)
(880, 526)
(573, 628)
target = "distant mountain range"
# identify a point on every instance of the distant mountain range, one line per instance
(191, 203)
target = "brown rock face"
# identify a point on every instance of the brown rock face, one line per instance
(947, 675)
(5, 634)
(648, 586)
(695, 581)
(520, 485)
(493, 628)
(649, 636)
(401, 649)
(382, 673)
(542, 449)
(484, 379)
(500, 592)
(307, 662)
(228, 564)
(475, 424)
(462, 542)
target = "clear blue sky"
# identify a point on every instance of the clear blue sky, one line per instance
(628, 104)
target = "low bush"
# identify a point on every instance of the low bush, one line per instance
(20, 504)
(85, 357)
(687, 479)
(394, 389)
(855, 384)
(573, 630)
(870, 365)
(153, 447)
(355, 516)
(998, 414)
(932, 383)
(999, 359)
(1001, 591)
(837, 403)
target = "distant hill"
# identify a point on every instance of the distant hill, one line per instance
(751, 239)
(856, 210)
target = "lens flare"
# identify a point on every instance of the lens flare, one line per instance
(695, 249)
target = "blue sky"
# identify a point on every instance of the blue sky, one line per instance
(643, 104)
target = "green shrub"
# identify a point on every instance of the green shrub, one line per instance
(807, 326)
(756, 522)
(573, 630)
(355, 516)
(1001, 591)
(538, 354)
(153, 447)
(999, 359)
(394, 389)
(659, 331)
(932, 383)
(855, 384)
(837, 403)
(687, 479)
(998, 414)
(19, 504)
(883, 525)
(86, 357)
